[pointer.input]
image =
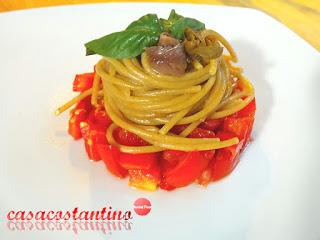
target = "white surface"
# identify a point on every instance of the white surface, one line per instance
(273, 193)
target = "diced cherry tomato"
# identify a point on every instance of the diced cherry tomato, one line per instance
(99, 118)
(144, 179)
(225, 159)
(166, 186)
(201, 133)
(173, 156)
(83, 82)
(212, 124)
(138, 161)
(241, 123)
(204, 133)
(127, 138)
(205, 177)
(186, 171)
(177, 129)
(165, 166)
(76, 118)
(248, 111)
(110, 156)
(93, 135)
(238, 125)
(77, 115)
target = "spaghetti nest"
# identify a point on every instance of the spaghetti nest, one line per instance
(150, 104)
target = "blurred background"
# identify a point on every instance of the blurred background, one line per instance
(302, 16)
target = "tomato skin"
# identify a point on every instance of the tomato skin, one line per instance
(83, 82)
(241, 123)
(138, 161)
(172, 156)
(247, 111)
(76, 118)
(78, 115)
(212, 124)
(110, 156)
(93, 135)
(186, 171)
(147, 179)
(166, 186)
(238, 125)
(127, 138)
(225, 159)
(201, 133)
(102, 117)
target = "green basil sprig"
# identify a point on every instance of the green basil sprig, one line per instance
(176, 24)
(140, 34)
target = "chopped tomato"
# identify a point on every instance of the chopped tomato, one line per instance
(100, 118)
(201, 133)
(93, 135)
(127, 138)
(147, 179)
(166, 186)
(205, 177)
(186, 171)
(165, 166)
(83, 82)
(204, 133)
(238, 125)
(138, 161)
(241, 123)
(110, 156)
(173, 156)
(77, 116)
(247, 111)
(177, 129)
(225, 159)
(212, 124)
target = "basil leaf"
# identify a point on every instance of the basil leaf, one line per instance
(147, 22)
(166, 24)
(129, 43)
(177, 28)
(125, 44)
(173, 17)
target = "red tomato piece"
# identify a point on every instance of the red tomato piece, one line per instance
(110, 156)
(83, 82)
(238, 125)
(201, 133)
(101, 117)
(177, 129)
(225, 159)
(241, 123)
(93, 135)
(138, 161)
(173, 156)
(77, 116)
(166, 166)
(247, 111)
(166, 186)
(204, 133)
(127, 138)
(186, 171)
(212, 124)
(147, 179)
(205, 177)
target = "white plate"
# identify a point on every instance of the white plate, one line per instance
(273, 193)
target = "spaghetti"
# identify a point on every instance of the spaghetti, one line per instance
(140, 100)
